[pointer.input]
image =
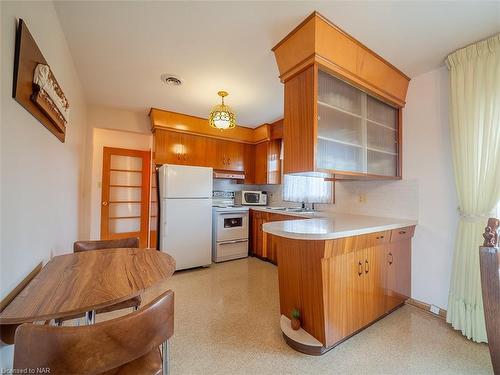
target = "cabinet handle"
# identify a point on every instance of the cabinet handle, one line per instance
(229, 161)
(231, 242)
(178, 156)
(367, 268)
(391, 258)
(380, 237)
(185, 157)
(360, 268)
(402, 232)
(224, 160)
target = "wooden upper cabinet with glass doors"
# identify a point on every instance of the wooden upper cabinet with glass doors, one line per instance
(355, 131)
(343, 103)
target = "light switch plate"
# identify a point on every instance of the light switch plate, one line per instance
(435, 309)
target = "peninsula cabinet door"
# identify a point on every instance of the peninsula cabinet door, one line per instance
(355, 291)
(397, 265)
(375, 281)
(365, 287)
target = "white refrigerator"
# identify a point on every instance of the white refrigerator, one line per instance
(186, 214)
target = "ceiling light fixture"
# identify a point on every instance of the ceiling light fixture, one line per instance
(171, 80)
(222, 116)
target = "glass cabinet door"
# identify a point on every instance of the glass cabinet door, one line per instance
(382, 137)
(355, 132)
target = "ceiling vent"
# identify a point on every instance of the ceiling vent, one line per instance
(171, 80)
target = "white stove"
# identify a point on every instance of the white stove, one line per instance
(230, 230)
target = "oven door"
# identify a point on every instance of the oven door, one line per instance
(232, 226)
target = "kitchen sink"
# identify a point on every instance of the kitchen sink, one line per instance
(292, 209)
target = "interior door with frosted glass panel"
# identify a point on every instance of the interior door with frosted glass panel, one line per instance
(125, 194)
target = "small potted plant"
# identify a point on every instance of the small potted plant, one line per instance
(295, 319)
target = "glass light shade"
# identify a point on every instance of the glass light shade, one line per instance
(221, 116)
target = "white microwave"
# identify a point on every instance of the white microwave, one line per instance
(250, 198)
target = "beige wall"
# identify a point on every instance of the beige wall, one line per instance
(119, 119)
(109, 127)
(41, 180)
(126, 125)
(427, 158)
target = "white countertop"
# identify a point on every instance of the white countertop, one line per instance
(305, 215)
(332, 226)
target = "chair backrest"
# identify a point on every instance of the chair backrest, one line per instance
(95, 348)
(489, 261)
(132, 242)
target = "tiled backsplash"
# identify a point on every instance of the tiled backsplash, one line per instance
(231, 185)
(376, 198)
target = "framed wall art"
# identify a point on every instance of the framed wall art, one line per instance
(35, 86)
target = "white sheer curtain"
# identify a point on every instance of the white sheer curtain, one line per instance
(307, 189)
(475, 140)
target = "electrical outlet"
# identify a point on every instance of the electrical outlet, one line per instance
(435, 310)
(362, 198)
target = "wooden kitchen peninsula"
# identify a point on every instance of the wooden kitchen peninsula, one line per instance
(342, 272)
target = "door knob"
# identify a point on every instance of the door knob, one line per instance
(104, 203)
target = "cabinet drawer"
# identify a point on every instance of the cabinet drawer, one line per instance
(402, 233)
(230, 250)
(378, 238)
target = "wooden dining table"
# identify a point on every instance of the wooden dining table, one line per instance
(77, 283)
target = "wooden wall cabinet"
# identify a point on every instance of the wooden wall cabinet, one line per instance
(336, 129)
(189, 149)
(343, 285)
(259, 162)
(249, 162)
(183, 149)
(267, 162)
(230, 156)
(342, 115)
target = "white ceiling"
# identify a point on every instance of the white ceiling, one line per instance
(121, 48)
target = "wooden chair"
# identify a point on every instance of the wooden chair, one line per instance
(489, 261)
(79, 246)
(125, 345)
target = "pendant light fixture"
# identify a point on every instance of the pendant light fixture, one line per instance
(222, 117)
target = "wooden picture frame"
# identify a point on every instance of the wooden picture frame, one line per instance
(27, 57)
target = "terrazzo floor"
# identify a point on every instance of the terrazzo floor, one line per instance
(227, 322)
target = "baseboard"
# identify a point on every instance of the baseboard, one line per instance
(426, 307)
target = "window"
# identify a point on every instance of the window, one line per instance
(307, 189)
